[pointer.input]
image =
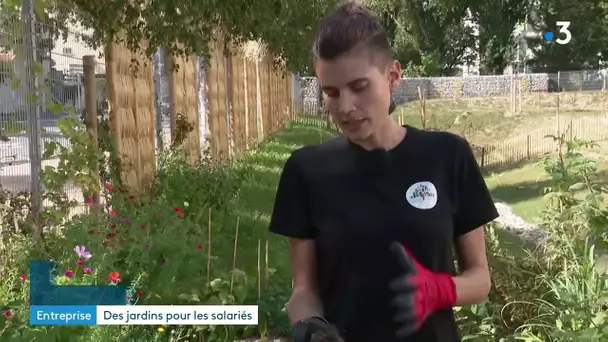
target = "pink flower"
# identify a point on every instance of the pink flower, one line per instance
(82, 252)
(88, 200)
(87, 270)
(80, 263)
(112, 213)
(109, 187)
(69, 273)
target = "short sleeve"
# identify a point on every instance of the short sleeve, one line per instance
(474, 204)
(291, 216)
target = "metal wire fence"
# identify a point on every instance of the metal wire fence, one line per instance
(522, 92)
(35, 59)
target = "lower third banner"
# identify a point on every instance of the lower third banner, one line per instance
(144, 315)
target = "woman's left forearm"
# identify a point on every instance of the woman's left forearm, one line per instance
(472, 286)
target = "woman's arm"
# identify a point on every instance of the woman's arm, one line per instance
(473, 283)
(304, 302)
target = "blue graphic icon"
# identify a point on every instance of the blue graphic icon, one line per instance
(43, 292)
(549, 36)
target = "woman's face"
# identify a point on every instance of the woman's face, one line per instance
(357, 93)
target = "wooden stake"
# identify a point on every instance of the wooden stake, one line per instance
(259, 269)
(422, 109)
(267, 270)
(209, 249)
(236, 244)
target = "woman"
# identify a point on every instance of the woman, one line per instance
(374, 215)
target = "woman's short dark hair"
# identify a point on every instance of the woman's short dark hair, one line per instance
(349, 27)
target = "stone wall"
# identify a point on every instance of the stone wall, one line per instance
(471, 86)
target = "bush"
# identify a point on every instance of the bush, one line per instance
(553, 293)
(157, 245)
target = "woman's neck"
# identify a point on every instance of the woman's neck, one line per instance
(387, 137)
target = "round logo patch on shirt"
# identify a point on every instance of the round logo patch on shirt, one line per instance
(422, 195)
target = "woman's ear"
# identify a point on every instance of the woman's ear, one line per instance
(394, 75)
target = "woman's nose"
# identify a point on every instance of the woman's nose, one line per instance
(346, 104)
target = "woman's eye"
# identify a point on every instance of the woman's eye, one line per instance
(359, 87)
(332, 93)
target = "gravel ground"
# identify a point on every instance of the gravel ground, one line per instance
(515, 224)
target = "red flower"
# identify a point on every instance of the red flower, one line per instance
(143, 226)
(23, 277)
(131, 197)
(199, 246)
(139, 294)
(88, 200)
(114, 277)
(109, 187)
(8, 313)
(110, 236)
(122, 190)
(105, 243)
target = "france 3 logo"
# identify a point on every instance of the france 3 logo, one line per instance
(564, 36)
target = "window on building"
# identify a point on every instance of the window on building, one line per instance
(67, 51)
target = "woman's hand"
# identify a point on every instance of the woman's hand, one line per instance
(418, 292)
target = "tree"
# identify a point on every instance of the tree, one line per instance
(496, 21)
(187, 27)
(589, 28)
(429, 37)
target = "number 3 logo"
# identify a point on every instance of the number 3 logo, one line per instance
(563, 29)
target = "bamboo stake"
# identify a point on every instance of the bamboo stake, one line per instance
(236, 244)
(209, 249)
(267, 268)
(259, 269)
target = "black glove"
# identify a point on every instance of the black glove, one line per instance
(303, 330)
(327, 334)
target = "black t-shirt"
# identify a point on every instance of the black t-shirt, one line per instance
(425, 192)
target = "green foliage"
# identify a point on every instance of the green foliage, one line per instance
(555, 292)
(589, 28)
(150, 241)
(187, 28)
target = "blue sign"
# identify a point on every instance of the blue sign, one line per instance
(44, 292)
(63, 315)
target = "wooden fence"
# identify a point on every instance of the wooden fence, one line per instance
(537, 143)
(516, 149)
(247, 100)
